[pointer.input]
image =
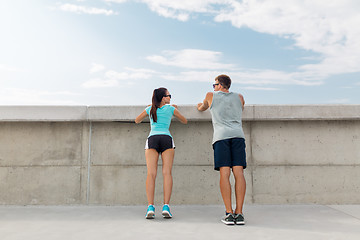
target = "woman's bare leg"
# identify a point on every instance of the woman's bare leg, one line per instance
(152, 157)
(167, 159)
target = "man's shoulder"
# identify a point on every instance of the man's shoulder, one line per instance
(236, 94)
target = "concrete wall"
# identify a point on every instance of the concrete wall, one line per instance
(95, 155)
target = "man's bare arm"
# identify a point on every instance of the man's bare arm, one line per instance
(206, 103)
(242, 101)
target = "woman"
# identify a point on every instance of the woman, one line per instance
(159, 142)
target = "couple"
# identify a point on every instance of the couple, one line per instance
(228, 144)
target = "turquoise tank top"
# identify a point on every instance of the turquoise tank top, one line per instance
(226, 113)
(164, 115)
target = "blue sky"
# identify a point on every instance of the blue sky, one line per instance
(115, 52)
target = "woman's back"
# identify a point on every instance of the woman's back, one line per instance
(162, 125)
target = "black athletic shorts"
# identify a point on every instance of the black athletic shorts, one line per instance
(229, 153)
(159, 142)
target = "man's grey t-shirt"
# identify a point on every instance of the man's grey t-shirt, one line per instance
(226, 113)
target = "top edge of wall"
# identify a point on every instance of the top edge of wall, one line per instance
(129, 113)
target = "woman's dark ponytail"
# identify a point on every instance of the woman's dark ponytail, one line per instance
(158, 94)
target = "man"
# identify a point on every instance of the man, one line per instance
(228, 143)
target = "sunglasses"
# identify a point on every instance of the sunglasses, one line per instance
(215, 84)
(168, 96)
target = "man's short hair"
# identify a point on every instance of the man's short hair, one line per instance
(224, 80)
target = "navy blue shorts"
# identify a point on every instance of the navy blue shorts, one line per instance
(159, 142)
(229, 153)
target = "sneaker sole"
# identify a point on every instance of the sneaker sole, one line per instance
(228, 223)
(166, 214)
(150, 215)
(240, 223)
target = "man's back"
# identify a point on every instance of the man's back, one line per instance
(226, 112)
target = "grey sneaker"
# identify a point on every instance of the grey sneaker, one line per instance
(239, 219)
(228, 219)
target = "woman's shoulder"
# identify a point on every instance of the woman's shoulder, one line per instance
(168, 108)
(165, 108)
(147, 109)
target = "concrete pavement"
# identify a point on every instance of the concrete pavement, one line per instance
(189, 222)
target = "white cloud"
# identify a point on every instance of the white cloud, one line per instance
(141, 70)
(206, 65)
(83, 9)
(268, 76)
(111, 78)
(257, 77)
(203, 65)
(191, 76)
(7, 68)
(96, 68)
(191, 58)
(339, 101)
(100, 83)
(19, 96)
(117, 75)
(325, 27)
(126, 75)
(115, 1)
(182, 10)
(130, 74)
(261, 88)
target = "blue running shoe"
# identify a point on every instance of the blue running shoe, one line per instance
(150, 214)
(166, 211)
